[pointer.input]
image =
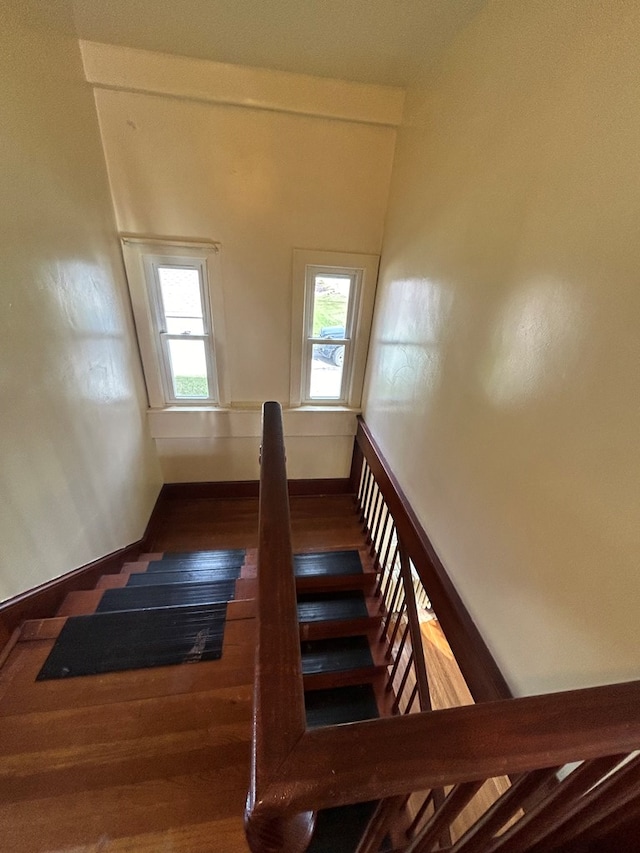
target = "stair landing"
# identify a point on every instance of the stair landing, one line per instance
(153, 759)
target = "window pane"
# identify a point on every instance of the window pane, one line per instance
(188, 368)
(330, 305)
(326, 372)
(180, 289)
(185, 326)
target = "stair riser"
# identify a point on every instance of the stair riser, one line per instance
(336, 583)
(325, 680)
(339, 628)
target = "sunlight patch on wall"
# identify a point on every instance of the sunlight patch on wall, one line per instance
(409, 352)
(93, 356)
(535, 343)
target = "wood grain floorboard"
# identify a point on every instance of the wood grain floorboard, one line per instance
(220, 836)
(20, 693)
(153, 760)
(57, 822)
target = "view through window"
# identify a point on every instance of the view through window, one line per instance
(184, 331)
(330, 317)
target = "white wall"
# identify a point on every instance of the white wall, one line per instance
(504, 376)
(262, 162)
(79, 476)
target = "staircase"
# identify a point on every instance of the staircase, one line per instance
(344, 667)
(164, 609)
(343, 662)
(158, 756)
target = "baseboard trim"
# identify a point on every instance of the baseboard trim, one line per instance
(43, 601)
(250, 488)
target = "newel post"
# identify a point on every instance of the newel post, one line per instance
(267, 831)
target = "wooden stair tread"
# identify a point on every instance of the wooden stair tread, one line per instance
(236, 555)
(364, 581)
(168, 595)
(327, 563)
(183, 576)
(69, 727)
(331, 606)
(78, 819)
(86, 601)
(339, 661)
(335, 614)
(338, 705)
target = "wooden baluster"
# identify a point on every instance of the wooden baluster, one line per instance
(612, 796)
(384, 512)
(443, 817)
(416, 634)
(403, 682)
(548, 815)
(367, 502)
(400, 611)
(412, 699)
(373, 519)
(383, 536)
(396, 660)
(420, 814)
(367, 476)
(388, 581)
(477, 838)
(386, 566)
(381, 821)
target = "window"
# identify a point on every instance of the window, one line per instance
(332, 309)
(172, 292)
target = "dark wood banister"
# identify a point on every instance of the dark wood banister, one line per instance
(279, 714)
(297, 772)
(394, 755)
(481, 674)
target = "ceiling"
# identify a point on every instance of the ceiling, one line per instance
(392, 42)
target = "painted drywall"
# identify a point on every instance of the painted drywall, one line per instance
(261, 182)
(79, 475)
(504, 373)
(200, 444)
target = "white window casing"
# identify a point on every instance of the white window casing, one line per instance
(361, 271)
(146, 260)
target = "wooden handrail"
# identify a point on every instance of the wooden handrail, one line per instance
(480, 671)
(279, 713)
(396, 755)
(297, 772)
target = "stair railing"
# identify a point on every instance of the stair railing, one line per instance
(571, 756)
(278, 710)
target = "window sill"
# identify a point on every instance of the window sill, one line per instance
(217, 422)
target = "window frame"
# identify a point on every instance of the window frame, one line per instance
(143, 257)
(363, 270)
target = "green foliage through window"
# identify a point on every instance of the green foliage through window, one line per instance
(191, 386)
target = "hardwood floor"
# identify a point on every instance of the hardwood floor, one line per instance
(157, 760)
(153, 760)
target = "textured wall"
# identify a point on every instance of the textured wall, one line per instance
(79, 474)
(504, 375)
